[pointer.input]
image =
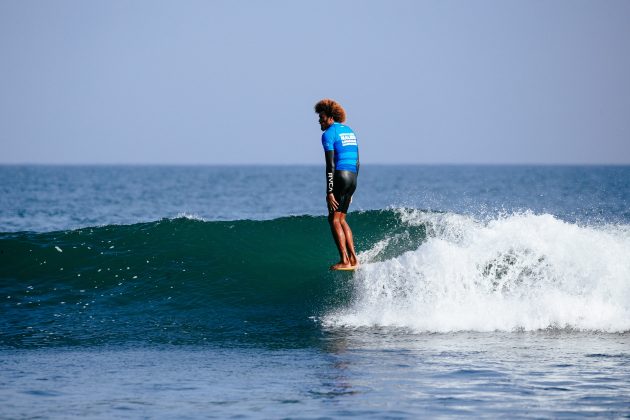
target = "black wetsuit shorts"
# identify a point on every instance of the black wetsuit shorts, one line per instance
(344, 184)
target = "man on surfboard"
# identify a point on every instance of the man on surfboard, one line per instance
(342, 167)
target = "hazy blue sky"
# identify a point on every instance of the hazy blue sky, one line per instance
(235, 81)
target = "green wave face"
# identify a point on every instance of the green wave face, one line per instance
(181, 281)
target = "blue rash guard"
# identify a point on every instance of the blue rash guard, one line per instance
(342, 140)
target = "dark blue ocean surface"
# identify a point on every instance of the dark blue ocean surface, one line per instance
(45, 198)
(204, 292)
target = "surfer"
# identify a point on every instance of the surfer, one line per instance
(342, 167)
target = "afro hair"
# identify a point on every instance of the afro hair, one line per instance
(331, 109)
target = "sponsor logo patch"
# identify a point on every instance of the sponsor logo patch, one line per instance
(348, 139)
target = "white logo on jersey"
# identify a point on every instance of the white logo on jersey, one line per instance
(348, 139)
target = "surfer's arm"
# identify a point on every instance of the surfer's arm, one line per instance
(330, 172)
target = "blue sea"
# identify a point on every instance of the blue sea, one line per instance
(204, 292)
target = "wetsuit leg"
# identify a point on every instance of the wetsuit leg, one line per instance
(344, 185)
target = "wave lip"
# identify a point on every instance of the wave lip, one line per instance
(523, 272)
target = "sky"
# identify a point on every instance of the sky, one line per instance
(235, 82)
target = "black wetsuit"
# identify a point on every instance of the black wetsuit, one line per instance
(341, 183)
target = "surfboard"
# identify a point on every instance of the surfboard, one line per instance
(343, 269)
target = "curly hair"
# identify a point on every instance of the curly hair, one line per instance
(331, 109)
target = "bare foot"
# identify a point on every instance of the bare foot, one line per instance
(342, 266)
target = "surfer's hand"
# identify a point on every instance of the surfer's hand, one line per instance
(332, 202)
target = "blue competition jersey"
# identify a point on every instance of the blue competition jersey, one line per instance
(341, 139)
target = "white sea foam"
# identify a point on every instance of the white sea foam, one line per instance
(190, 216)
(518, 272)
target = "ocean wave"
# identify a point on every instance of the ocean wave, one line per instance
(185, 280)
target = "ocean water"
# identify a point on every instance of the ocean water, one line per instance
(192, 292)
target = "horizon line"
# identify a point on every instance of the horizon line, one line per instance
(314, 164)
